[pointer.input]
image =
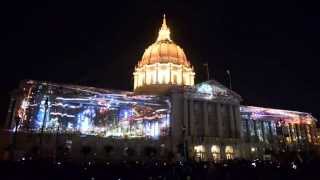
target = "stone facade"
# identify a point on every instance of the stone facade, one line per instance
(203, 125)
(207, 122)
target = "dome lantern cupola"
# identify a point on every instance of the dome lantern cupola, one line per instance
(163, 63)
(164, 33)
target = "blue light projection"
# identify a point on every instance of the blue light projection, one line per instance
(90, 112)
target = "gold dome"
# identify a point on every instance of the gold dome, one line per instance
(164, 50)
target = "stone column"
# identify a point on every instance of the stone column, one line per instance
(307, 133)
(135, 81)
(185, 117)
(312, 133)
(270, 132)
(157, 73)
(220, 128)
(191, 118)
(182, 83)
(298, 133)
(237, 120)
(170, 81)
(222, 152)
(205, 118)
(290, 132)
(256, 136)
(10, 114)
(303, 133)
(145, 75)
(231, 122)
(247, 131)
(263, 130)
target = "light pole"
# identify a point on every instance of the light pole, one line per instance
(206, 65)
(230, 82)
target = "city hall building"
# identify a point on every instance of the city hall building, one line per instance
(167, 113)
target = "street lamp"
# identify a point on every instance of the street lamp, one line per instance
(229, 75)
(206, 65)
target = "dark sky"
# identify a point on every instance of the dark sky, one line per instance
(270, 47)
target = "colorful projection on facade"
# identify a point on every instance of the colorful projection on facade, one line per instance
(212, 90)
(92, 111)
(267, 125)
(283, 116)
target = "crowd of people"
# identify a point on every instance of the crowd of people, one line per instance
(159, 170)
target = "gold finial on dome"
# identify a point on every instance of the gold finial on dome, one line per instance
(164, 33)
(164, 22)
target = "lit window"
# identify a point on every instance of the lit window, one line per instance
(215, 150)
(253, 149)
(199, 152)
(229, 152)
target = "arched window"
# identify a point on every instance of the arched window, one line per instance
(229, 152)
(199, 152)
(215, 150)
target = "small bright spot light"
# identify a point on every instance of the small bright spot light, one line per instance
(253, 149)
(59, 163)
(23, 158)
(294, 166)
(254, 164)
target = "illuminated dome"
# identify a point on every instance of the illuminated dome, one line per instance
(164, 52)
(163, 63)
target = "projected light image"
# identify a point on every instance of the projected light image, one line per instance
(92, 111)
(284, 116)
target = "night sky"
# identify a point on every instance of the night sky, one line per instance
(270, 47)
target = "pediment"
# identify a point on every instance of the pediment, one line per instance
(214, 89)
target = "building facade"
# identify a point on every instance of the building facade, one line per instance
(167, 113)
